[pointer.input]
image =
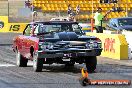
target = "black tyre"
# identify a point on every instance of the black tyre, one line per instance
(37, 63)
(91, 63)
(20, 60)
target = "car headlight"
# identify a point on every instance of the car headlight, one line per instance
(87, 45)
(93, 45)
(99, 45)
(45, 45)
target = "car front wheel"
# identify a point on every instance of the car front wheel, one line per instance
(91, 63)
(20, 60)
(37, 63)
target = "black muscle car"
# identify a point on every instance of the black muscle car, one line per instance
(56, 42)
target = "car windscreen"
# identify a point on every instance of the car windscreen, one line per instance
(125, 21)
(44, 28)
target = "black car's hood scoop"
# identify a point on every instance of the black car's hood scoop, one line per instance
(65, 36)
(68, 36)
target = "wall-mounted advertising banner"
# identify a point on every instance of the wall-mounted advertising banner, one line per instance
(11, 27)
(16, 27)
(3, 23)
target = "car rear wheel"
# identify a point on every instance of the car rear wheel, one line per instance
(91, 63)
(37, 63)
(20, 60)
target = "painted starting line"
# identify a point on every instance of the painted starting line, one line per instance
(6, 65)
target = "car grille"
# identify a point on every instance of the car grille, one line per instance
(66, 46)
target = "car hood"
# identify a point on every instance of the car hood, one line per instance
(127, 27)
(68, 36)
(72, 36)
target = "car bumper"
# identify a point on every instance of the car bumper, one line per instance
(69, 53)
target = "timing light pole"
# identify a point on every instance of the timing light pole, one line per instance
(32, 12)
(92, 20)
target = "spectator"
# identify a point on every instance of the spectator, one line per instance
(77, 9)
(69, 9)
(106, 1)
(27, 3)
(114, 1)
(35, 14)
(101, 1)
(72, 17)
(98, 20)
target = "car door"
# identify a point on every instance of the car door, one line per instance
(26, 41)
(30, 41)
(19, 43)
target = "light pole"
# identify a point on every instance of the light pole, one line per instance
(32, 12)
(92, 20)
(92, 8)
(126, 10)
(8, 8)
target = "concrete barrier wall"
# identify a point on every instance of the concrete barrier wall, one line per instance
(3, 23)
(128, 35)
(114, 46)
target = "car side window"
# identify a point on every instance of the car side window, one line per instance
(109, 23)
(36, 30)
(27, 30)
(114, 23)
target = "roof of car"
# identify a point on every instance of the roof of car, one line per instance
(122, 18)
(49, 22)
(59, 19)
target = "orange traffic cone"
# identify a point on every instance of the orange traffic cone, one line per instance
(84, 79)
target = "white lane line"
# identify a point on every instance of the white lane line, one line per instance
(6, 65)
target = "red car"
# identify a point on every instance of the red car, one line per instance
(56, 42)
